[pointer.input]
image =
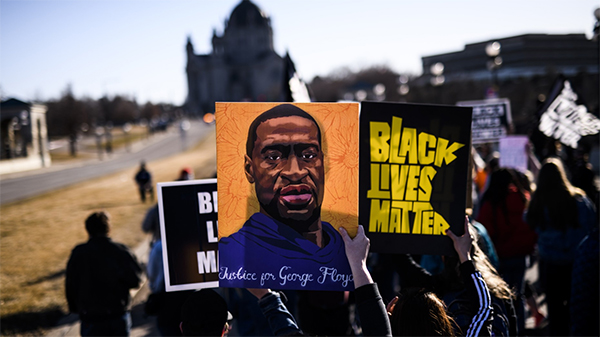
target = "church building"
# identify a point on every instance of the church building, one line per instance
(243, 65)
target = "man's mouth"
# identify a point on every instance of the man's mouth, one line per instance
(296, 194)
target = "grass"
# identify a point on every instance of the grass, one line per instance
(38, 234)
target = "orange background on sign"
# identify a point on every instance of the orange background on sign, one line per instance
(339, 129)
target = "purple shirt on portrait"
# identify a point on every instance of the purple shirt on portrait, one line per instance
(266, 253)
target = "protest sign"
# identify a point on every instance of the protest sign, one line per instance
(288, 179)
(413, 175)
(491, 119)
(188, 228)
(562, 118)
(513, 152)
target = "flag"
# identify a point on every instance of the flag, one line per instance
(563, 119)
(294, 88)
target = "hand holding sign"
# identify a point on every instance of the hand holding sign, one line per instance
(463, 243)
(357, 250)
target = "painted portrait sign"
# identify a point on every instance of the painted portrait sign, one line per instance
(188, 226)
(287, 180)
(413, 175)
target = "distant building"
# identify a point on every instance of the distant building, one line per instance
(243, 65)
(24, 136)
(522, 56)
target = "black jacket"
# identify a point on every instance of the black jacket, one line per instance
(100, 273)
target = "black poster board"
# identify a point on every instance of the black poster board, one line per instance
(413, 175)
(188, 225)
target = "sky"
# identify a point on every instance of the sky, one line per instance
(136, 48)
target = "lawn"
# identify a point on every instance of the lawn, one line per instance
(38, 234)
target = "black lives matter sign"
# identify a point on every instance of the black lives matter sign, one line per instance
(491, 119)
(413, 175)
(188, 221)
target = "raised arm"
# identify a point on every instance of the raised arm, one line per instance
(272, 305)
(475, 284)
(369, 304)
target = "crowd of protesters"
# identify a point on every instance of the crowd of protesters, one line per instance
(546, 216)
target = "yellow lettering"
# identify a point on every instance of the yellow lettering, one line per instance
(376, 182)
(408, 145)
(399, 173)
(412, 183)
(395, 220)
(418, 208)
(380, 216)
(445, 152)
(395, 158)
(380, 134)
(439, 224)
(427, 222)
(427, 174)
(426, 153)
(404, 207)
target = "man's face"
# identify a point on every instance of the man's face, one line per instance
(287, 169)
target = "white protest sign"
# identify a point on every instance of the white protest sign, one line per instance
(513, 152)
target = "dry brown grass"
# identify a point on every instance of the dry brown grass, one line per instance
(37, 234)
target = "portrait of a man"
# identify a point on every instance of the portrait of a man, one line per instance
(286, 244)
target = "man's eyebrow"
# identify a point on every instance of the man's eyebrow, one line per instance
(278, 147)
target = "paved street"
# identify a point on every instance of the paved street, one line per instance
(22, 185)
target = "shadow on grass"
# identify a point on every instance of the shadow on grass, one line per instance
(108, 205)
(50, 277)
(30, 323)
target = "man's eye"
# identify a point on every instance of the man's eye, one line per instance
(309, 155)
(273, 155)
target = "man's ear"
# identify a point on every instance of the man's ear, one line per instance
(181, 327)
(248, 169)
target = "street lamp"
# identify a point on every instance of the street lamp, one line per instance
(437, 70)
(438, 79)
(494, 61)
(403, 89)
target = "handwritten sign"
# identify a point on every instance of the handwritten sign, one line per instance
(491, 119)
(513, 152)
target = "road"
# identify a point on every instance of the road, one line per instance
(19, 186)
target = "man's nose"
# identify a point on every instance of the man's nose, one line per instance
(293, 169)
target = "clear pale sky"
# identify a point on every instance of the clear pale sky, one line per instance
(137, 47)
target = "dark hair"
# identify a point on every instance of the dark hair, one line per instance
(204, 313)
(554, 201)
(282, 110)
(97, 224)
(420, 313)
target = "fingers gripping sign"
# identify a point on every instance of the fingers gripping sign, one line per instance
(357, 250)
(463, 243)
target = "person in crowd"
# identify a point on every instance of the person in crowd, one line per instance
(151, 223)
(562, 215)
(272, 306)
(99, 275)
(205, 313)
(584, 288)
(418, 312)
(502, 207)
(584, 176)
(143, 179)
(449, 286)
(166, 306)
